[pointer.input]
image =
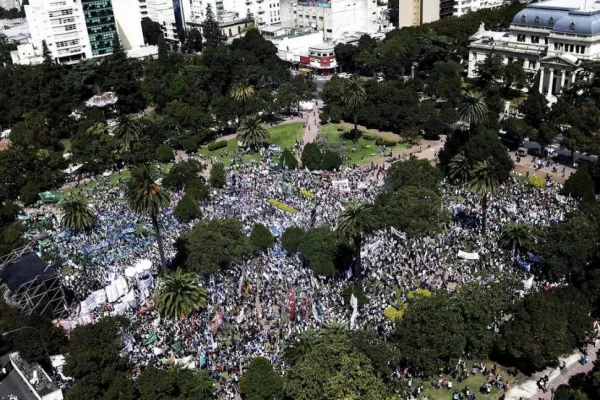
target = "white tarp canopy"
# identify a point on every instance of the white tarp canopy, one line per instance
(468, 256)
(102, 100)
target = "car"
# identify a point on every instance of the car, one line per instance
(380, 79)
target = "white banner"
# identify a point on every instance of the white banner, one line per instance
(354, 304)
(468, 256)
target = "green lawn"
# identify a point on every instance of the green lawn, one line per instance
(282, 135)
(365, 150)
(473, 381)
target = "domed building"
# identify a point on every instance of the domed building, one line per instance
(549, 39)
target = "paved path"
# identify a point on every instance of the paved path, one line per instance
(313, 122)
(529, 389)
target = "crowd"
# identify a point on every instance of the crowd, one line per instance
(257, 307)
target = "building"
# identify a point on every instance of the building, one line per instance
(336, 18)
(62, 25)
(27, 381)
(550, 39)
(74, 30)
(461, 7)
(10, 4)
(163, 12)
(446, 8)
(417, 12)
(264, 12)
(101, 26)
(194, 11)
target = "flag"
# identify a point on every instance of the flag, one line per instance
(217, 321)
(354, 304)
(241, 282)
(151, 339)
(292, 303)
(241, 316)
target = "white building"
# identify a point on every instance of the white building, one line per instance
(550, 39)
(417, 12)
(461, 7)
(336, 19)
(10, 4)
(265, 12)
(127, 14)
(194, 11)
(160, 11)
(61, 24)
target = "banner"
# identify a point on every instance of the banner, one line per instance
(217, 321)
(400, 235)
(354, 304)
(240, 318)
(292, 303)
(468, 256)
(528, 283)
(341, 185)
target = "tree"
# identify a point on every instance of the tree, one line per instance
(190, 145)
(516, 236)
(182, 173)
(175, 383)
(413, 172)
(193, 41)
(47, 54)
(163, 52)
(535, 108)
(213, 36)
(331, 161)
(459, 168)
(321, 249)
(311, 156)
(77, 215)
(489, 70)
(164, 154)
(187, 209)
(580, 184)
(178, 295)
(301, 346)
(288, 159)
(127, 131)
(513, 75)
(213, 245)
(324, 374)
(254, 134)
(30, 193)
(486, 146)
(146, 198)
(354, 221)
(544, 135)
(95, 149)
(242, 91)
(260, 382)
(545, 325)
(354, 97)
(291, 239)
(516, 130)
(484, 182)
(261, 237)
(151, 31)
(473, 108)
(198, 189)
(218, 176)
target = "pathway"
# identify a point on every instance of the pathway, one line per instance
(529, 389)
(313, 122)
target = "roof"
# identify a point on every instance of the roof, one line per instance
(14, 384)
(577, 17)
(323, 46)
(587, 23)
(27, 268)
(273, 28)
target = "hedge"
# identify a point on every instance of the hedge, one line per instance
(217, 145)
(306, 193)
(537, 182)
(282, 206)
(380, 141)
(392, 313)
(369, 136)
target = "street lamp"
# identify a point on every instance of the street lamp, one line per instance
(38, 333)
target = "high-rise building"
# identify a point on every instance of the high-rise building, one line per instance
(446, 8)
(194, 11)
(461, 7)
(264, 12)
(62, 25)
(10, 4)
(418, 12)
(128, 21)
(101, 27)
(163, 12)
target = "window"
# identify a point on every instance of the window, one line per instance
(523, 19)
(551, 22)
(535, 39)
(545, 40)
(572, 26)
(536, 20)
(521, 38)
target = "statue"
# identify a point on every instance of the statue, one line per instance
(481, 27)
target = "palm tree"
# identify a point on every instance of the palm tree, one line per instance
(352, 222)
(459, 168)
(78, 216)
(254, 133)
(179, 295)
(473, 108)
(146, 197)
(354, 97)
(483, 182)
(295, 352)
(242, 91)
(516, 236)
(127, 131)
(334, 331)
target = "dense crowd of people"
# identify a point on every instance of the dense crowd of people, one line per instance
(257, 307)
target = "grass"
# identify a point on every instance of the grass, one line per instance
(473, 381)
(364, 151)
(282, 135)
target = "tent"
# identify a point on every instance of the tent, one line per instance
(50, 197)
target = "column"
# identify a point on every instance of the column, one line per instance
(551, 81)
(541, 80)
(573, 75)
(562, 80)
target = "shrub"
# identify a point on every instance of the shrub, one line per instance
(324, 117)
(218, 176)
(381, 141)
(291, 239)
(537, 182)
(369, 136)
(217, 145)
(307, 194)
(164, 154)
(187, 209)
(190, 145)
(30, 193)
(349, 290)
(182, 173)
(392, 313)
(311, 156)
(335, 114)
(288, 159)
(579, 184)
(282, 206)
(418, 294)
(261, 237)
(197, 189)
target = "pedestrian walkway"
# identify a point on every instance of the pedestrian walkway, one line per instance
(529, 389)
(312, 120)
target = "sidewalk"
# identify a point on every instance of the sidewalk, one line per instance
(528, 389)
